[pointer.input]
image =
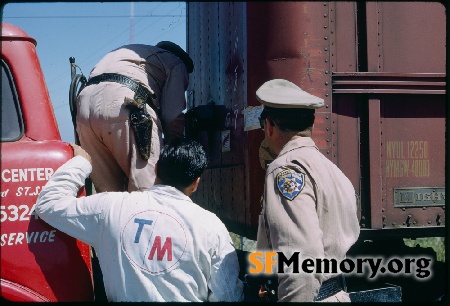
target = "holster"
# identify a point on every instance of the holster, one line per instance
(142, 125)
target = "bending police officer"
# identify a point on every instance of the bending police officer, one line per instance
(135, 95)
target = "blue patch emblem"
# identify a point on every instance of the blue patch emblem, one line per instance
(290, 183)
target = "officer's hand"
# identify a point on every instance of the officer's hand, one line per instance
(265, 155)
(263, 293)
(77, 150)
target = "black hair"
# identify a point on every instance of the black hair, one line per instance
(181, 162)
(290, 119)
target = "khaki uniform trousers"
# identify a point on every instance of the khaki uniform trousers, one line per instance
(104, 131)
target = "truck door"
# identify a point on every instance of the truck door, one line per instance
(39, 263)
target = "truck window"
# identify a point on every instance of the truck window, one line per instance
(12, 124)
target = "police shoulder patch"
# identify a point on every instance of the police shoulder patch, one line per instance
(290, 183)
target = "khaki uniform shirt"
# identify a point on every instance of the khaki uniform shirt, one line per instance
(159, 71)
(103, 122)
(309, 206)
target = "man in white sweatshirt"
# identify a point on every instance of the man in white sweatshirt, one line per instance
(155, 245)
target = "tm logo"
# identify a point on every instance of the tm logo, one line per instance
(156, 247)
(149, 244)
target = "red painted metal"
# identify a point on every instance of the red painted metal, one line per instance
(34, 255)
(375, 163)
(407, 37)
(14, 292)
(18, 51)
(380, 67)
(413, 156)
(389, 83)
(39, 263)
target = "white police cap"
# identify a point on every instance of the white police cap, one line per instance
(279, 93)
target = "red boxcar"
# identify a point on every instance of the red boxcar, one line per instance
(379, 66)
(381, 69)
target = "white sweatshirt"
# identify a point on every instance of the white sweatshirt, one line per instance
(155, 245)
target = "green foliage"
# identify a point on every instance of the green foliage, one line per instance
(436, 243)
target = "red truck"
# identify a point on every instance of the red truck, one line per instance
(38, 262)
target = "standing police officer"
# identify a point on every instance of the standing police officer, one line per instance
(309, 205)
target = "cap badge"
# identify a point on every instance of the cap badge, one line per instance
(290, 183)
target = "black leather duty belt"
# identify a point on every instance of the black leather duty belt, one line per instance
(331, 287)
(140, 91)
